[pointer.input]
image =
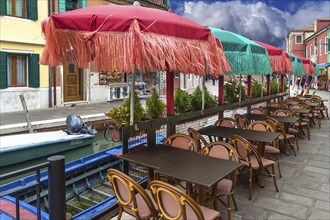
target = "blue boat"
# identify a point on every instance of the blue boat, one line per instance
(88, 193)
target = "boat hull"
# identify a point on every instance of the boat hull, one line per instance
(13, 152)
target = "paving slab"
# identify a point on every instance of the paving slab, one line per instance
(322, 205)
(319, 215)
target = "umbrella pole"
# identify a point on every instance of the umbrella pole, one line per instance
(131, 112)
(262, 85)
(240, 88)
(203, 93)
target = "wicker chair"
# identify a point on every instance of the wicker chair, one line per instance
(250, 158)
(181, 141)
(272, 149)
(224, 187)
(199, 139)
(175, 204)
(131, 197)
(258, 111)
(241, 121)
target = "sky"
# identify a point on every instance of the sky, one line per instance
(264, 20)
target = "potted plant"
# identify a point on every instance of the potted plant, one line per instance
(181, 101)
(138, 109)
(155, 107)
(196, 99)
(120, 118)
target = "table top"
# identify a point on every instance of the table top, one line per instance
(200, 169)
(313, 104)
(303, 111)
(251, 135)
(292, 103)
(281, 119)
(157, 156)
(309, 98)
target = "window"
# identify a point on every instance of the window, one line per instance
(68, 5)
(20, 8)
(306, 52)
(320, 47)
(326, 45)
(311, 50)
(18, 70)
(298, 39)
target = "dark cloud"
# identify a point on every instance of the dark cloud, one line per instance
(254, 19)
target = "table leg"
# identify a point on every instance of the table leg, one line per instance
(201, 195)
(261, 151)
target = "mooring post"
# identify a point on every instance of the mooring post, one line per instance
(56, 187)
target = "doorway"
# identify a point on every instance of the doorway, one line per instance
(73, 83)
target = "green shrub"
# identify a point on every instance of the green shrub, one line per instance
(196, 99)
(138, 109)
(181, 101)
(273, 86)
(210, 100)
(155, 107)
(286, 87)
(232, 92)
(256, 89)
(120, 115)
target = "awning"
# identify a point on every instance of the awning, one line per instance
(324, 65)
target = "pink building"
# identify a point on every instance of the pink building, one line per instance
(316, 44)
(295, 40)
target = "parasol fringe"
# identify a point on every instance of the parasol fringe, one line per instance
(309, 68)
(261, 64)
(131, 51)
(279, 64)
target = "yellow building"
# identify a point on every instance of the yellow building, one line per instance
(21, 44)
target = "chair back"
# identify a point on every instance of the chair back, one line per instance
(225, 122)
(181, 141)
(258, 111)
(174, 204)
(241, 121)
(271, 122)
(281, 112)
(283, 104)
(260, 126)
(222, 150)
(131, 197)
(245, 149)
(273, 104)
(199, 139)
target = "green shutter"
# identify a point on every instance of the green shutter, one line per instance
(62, 6)
(328, 43)
(32, 9)
(82, 4)
(3, 70)
(34, 72)
(3, 8)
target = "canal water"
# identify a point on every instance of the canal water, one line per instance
(99, 144)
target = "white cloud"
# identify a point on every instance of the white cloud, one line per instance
(255, 20)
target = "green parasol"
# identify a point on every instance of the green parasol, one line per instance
(317, 70)
(245, 56)
(297, 64)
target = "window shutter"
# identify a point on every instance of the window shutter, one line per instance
(328, 43)
(3, 70)
(34, 72)
(3, 8)
(32, 9)
(82, 4)
(62, 5)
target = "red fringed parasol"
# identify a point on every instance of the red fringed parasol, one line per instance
(308, 65)
(279, 60)
(131, 38)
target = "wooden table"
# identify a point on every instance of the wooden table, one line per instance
(292, 103)
(205, 171)
(285, 120)
(182, 164)
(261, 137)
(300, 111)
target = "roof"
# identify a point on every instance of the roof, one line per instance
(308, 28)
(322, 19)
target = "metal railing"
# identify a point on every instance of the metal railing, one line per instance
(56, 184)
